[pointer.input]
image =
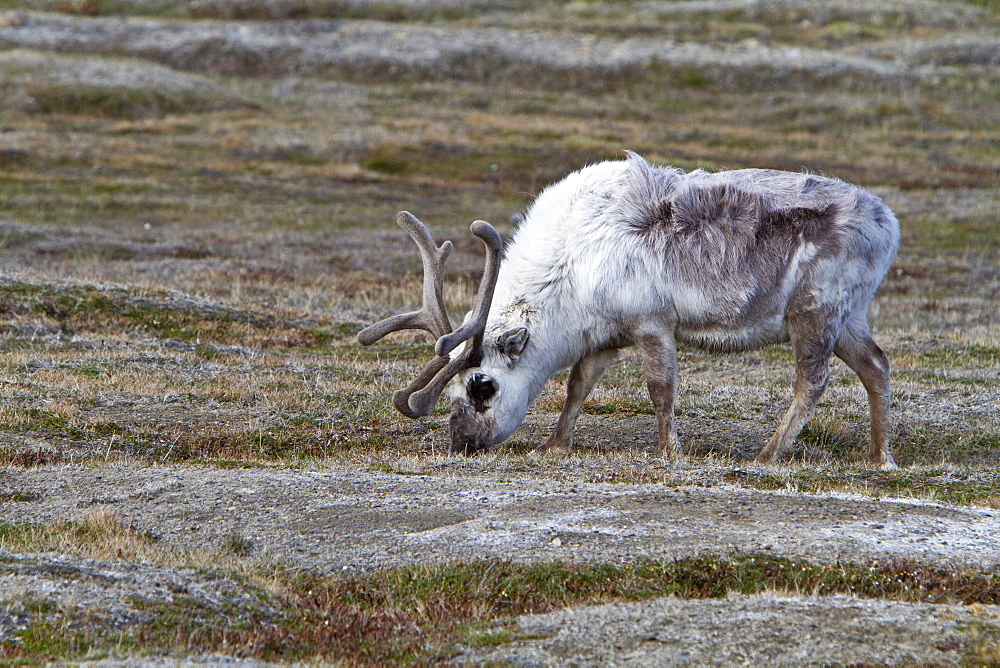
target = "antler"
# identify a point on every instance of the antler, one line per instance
(419, 397)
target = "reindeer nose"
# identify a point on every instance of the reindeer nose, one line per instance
(464, 446)
(481, 387)
(464, 430)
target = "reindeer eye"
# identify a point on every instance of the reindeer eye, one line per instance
(481, 387)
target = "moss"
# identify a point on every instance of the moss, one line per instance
(18, 497)
(114, 101)
(11, 239)
(76, 309)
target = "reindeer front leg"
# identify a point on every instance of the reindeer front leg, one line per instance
(582, 378)
(659, 364)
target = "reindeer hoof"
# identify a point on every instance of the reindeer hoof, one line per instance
(552, 444)
(670, 452)
(885, 465)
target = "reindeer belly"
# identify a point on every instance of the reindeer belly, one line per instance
(733, 323)
(734, 339)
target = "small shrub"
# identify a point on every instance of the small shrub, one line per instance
(237, 545)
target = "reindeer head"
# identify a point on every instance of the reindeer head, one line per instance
(489, 401)
(483, 407)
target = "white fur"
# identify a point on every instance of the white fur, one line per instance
(580, 278)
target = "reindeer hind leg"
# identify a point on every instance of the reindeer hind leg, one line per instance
(860, 352)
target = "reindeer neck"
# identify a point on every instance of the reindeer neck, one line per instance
(556, 337)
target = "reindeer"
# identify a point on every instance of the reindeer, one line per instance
(627, 253)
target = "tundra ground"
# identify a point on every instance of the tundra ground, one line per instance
(196, 216)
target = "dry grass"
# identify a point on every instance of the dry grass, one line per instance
(99, 534)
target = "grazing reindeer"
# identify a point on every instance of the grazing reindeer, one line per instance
(626, 253)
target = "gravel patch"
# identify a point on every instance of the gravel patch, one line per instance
(344, 519)
(771, 629)
(106, 592)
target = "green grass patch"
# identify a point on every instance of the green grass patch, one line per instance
(421, 613)
(939, 377)
(29, 457)
(54, 637)
(119, 101)
(276, 443)
(945, 487)
(55, 423)
(388, 349)
(993, 5)
(389, 10)
(11, 239)
(102, 251)
(519, 163)
(963, 442)
(86, 309)
(19, 497)
(950, 356)
(835, 438)
(281, 440)
(237, 544)
(984, 638)
(633, 407)
(490, 634)
(756, 479)
(93, 531)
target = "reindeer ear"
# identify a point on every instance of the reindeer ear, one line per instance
(513, 342)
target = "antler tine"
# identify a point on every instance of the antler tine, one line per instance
(432, 316)
(429, 385)
(476, 324)
(418, 390)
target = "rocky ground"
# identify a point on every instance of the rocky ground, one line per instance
(344, 519)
